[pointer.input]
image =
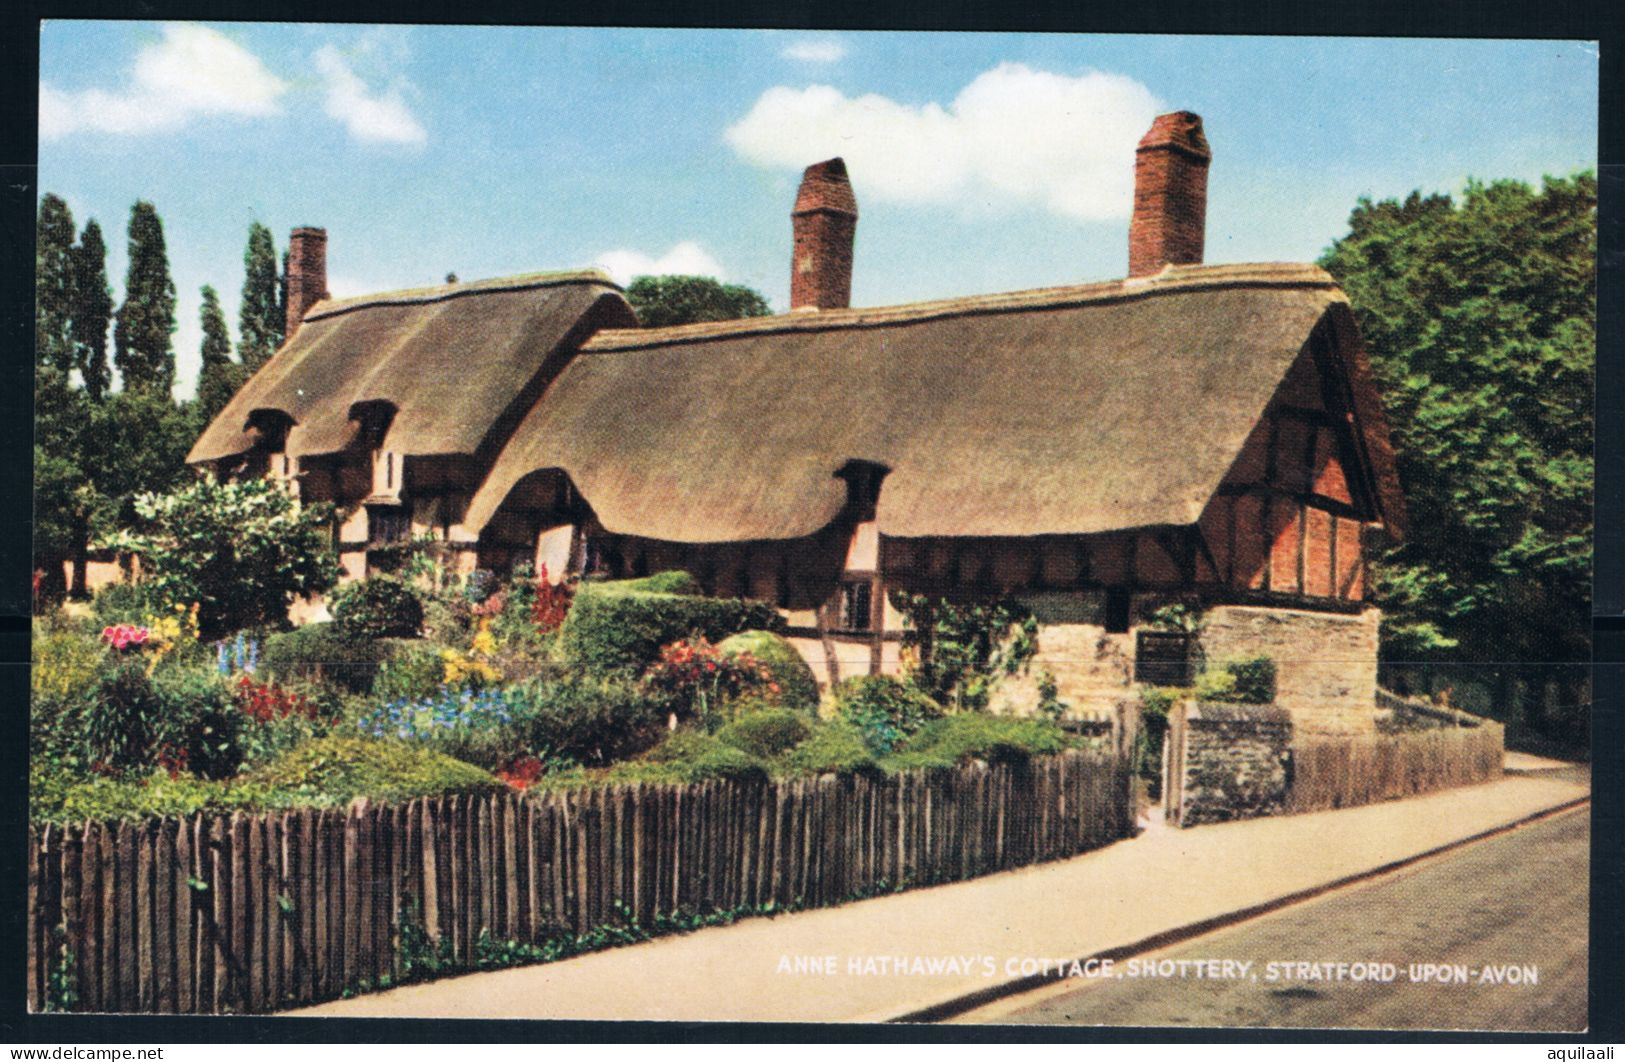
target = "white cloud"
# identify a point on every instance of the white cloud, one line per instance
(1013, 135)
(815, 51)
(687, 258)
(193, 71)
(376, 116)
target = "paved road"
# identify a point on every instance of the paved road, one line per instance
(1517, 899)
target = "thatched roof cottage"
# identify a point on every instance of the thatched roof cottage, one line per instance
(1194, 433)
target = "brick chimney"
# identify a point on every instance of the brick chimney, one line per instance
(1170, 195)
(824, 220)
(307, 275)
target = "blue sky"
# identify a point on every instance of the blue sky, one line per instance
(981, 162)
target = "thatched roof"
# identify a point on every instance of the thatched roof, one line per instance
(1061, 411)
(457, 362)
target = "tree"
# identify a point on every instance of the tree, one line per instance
(65, 499)
(260, 318)
(53, 284)
(92, 310)
(240, 551)
(220, 376)
(1481, 322)
(146, 321)
(674, 300)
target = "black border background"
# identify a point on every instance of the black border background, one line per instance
(19, 75)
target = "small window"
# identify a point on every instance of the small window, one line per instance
(387, 526)
(856, 606)
(1117, 611)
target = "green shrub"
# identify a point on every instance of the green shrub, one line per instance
(334, 770)
(377, 607)
(675, 582)
(620, 627)
(67, 665)
(321, 652)
(588, 719)
(122, 602)
(966, 736)
(766, 734)
(201, 728)
(835, 747)
(120, 718)
(411, 670)
(963, 651)
(241, 551)
(787, 668)
(885, 710)
(687, 756)
(1254, 679)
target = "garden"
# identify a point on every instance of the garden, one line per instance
(187, 691)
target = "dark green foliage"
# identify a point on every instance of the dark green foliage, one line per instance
(118, 603)
(146, 321)
(218, 380)
(965, 736)
(199, 718)
(1480, 318)
(240, 551)
(135, 443)
(411, 670)
(689, 756)
(120, 719)
(965, 649)
(767, 733)
(260, 318)
(92, 310)
(334, 770)
(53, 285)
(377, 607)
(323, 652)
(786, 668)
(1253, 680)
(675, 300)
(587, 719)
(613, 627)
(883, 709)
(673, 582)
(836, 747)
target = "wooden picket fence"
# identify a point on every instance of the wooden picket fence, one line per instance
(253, 913)
(1347, 772)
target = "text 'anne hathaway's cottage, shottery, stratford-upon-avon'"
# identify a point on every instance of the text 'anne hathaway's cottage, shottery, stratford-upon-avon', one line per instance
(1208, 434)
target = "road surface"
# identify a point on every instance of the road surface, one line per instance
(1508, 906)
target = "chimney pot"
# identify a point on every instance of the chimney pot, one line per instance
(307, 275)
(824, 221)
(1170, 195)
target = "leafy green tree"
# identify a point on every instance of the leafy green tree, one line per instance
(146, 321)
(1480, 318)
(65, 499)
(675, 300)
(140, 440)
(240, 551)
(53, 284)
(92, 310)
(220, 376)
(260, 317)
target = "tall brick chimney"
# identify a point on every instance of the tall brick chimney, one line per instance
(1170, 195)
(824, 220)
(307, 275)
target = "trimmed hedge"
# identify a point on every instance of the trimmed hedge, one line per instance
(324, 772)
(377, 607)
(688, 756)
(323, 652)
(621, 626)
(836, 747)
(768, 733)
(966, 736)
(798, 688)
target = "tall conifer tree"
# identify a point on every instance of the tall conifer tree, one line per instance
(259, 320)
(92, 310)
(53, 284)
(146, 321)
(218, 379)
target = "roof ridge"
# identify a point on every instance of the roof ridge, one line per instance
(1170, 280)
(440, 292)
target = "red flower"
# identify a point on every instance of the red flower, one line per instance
(124, 635)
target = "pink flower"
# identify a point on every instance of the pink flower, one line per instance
(124, 635)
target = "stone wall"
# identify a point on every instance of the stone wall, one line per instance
(1236, 761)
(1325, 662)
